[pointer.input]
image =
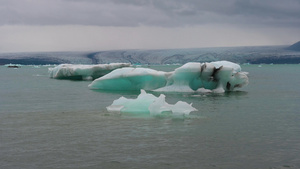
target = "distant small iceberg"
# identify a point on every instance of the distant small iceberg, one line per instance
(147, 103)
(218, 76)
(15, 66)
(83, 72)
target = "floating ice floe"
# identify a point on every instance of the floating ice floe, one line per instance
(147, 103)
(13, 65)
(215, 76)
(83, 72)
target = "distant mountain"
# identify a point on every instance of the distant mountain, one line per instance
(255, 55)
(295, 47)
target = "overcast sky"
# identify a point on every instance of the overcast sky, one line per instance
(74, 25)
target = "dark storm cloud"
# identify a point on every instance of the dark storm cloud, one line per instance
(166, 13)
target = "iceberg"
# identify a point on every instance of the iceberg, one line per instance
(131, 79)
(83, 72)
(218, 77)
(13, 65)
(147, 103)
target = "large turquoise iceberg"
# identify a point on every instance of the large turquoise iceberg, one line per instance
(214, 76)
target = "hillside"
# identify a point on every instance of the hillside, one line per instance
(295, 47)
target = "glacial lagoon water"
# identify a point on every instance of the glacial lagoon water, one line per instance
(49, 123)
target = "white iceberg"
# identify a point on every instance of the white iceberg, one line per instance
(83, 72)
(147, 103)
(215, 76)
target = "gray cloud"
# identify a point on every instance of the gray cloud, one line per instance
(166, 13)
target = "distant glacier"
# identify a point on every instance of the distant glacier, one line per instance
(252, 55)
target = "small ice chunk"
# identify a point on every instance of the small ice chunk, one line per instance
(182, 108)
(218, 90)
(114, 108)
(147, 103)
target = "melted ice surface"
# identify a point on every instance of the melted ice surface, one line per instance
(215, 76)
(147, 103)
(83, 72)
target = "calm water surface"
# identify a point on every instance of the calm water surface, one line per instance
(47, 123)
